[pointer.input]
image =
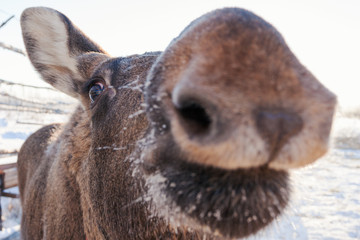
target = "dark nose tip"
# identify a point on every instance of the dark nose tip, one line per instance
(276, 127)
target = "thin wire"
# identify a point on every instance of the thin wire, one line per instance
(6, 21)
(2, 81)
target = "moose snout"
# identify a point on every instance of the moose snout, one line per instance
(200, 120)
(203, 118)
(211, 132)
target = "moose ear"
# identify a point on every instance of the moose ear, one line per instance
(54, 46)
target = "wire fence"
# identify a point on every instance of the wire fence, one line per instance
(27, 101)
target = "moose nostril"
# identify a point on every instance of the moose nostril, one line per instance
(276, 127)
(194, 117)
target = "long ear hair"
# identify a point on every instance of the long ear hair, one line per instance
(54, 46)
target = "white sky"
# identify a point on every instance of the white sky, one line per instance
(324, 34)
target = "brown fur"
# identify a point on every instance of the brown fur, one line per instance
(229, 109)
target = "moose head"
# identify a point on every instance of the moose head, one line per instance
(191, 143)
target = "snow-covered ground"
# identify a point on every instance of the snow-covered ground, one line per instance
(325, 203)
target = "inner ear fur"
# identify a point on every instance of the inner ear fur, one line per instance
(54, 46)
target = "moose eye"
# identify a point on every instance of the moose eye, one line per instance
(95, 90)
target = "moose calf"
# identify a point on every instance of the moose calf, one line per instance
(191, 143)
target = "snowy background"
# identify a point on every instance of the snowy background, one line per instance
(324, 34)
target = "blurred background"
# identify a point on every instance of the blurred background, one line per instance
(323, 34)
